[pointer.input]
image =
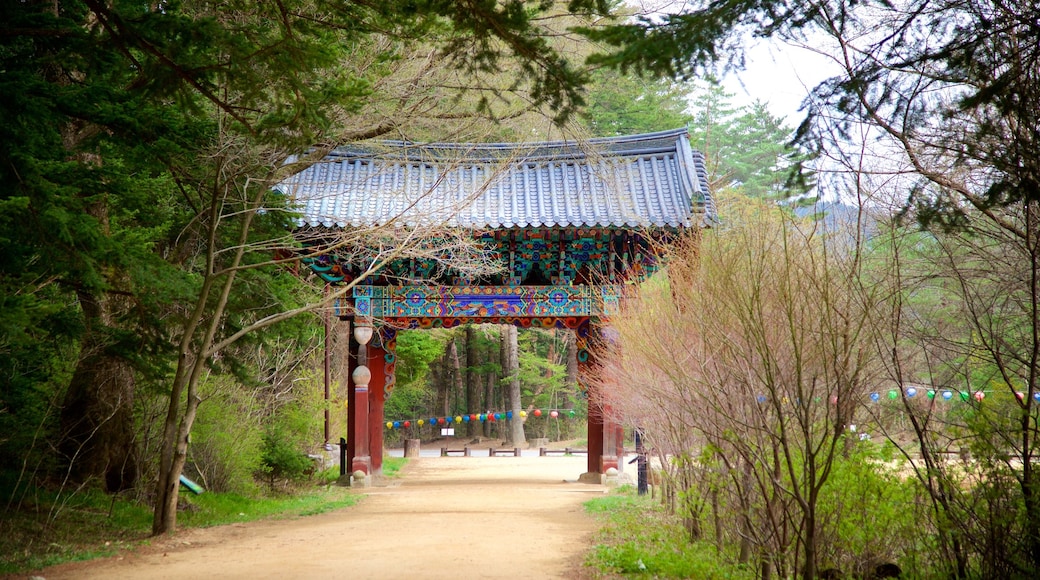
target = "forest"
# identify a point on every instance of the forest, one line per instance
(823, 386)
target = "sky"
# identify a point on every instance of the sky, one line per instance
(779, 75)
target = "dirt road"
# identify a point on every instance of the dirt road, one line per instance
(450, 517)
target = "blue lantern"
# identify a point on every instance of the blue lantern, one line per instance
(911, 391)
(947, 395)
(874, 397)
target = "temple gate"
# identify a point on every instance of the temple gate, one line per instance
(570, 224)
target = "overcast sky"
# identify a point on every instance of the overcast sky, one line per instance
(780, 75)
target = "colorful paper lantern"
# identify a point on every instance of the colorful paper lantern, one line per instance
(474, 417)
(458, 418)
(979, 395)
(554, 414)
(1036, 396)
(947, 395)
(965, 396)
(397, 424)
(874, 397)
(509, 414)
(911, 391)
(537, 412)
(441, 421)
(523, 414)
(466, 418)
(389, 425)
(893, 394)
(1020, 396)
(407, 424)
(421, 422)
(482, 417)
(572, 413)
(834, 399)
(762, 399)
(931, 393)
(433, 420)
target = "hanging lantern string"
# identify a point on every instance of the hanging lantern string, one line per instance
(491, 416)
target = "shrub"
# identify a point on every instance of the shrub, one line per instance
(226, 440)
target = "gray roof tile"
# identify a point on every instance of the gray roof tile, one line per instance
(652, 180)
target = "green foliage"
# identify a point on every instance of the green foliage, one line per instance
(283, 455)
(281, 458)
(228, 444)
(626, 105)
(870, 512)
(639, 538)
(745, 147)
(416, 349)
(407, 401)
(288, 434)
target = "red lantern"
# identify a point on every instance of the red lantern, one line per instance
(440, 421)
(537, 412)
(554, 414)
(407, 424)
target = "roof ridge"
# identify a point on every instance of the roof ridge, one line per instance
(528, 151)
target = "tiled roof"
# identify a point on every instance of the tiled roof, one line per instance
(652, 180)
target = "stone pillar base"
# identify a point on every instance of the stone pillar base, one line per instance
(360, 479)
(591, 477)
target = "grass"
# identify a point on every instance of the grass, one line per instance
(392, 466)
(47, 528)
(639, 539)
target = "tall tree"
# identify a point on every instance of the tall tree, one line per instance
(473, 387)
(511, 376)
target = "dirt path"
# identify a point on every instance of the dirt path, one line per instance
(450, 517)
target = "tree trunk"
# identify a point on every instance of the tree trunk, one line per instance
(512, 370)
(490, 402)
(451, 378)
(472, 378)
(572, 368)
(97, 418)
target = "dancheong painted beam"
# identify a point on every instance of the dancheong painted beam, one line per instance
(484, 302)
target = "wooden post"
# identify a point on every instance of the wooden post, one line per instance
(411, 448)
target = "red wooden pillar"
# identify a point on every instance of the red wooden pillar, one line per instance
(351, 400)
(606, 436)
(595, 436)
(376, 403)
